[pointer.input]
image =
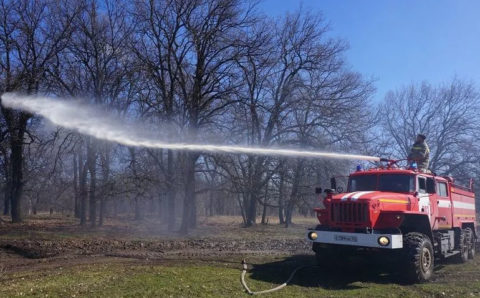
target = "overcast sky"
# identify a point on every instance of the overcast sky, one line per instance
(402, 41)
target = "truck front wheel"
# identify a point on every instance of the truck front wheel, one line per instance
(419, 257)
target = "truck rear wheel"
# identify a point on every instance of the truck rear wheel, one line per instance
(419, 257)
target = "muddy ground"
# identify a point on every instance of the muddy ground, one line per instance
(48, 240)
(54, 256)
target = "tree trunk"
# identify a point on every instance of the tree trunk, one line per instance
(35, 204)
(241, 203)
(265, 207)
(16, 161)
(106, 177)
(82, 188)
(138, 208)
(6, 199)
(76, 209)
(161, 212)
(189, 219)
(294, 193)
(171, 191)
(92, 168)
(102, 211)
(251, 209)
(288, 213)
(255, 183)
(264, 214)
(211, 202)
(91, 195)
(281, 216)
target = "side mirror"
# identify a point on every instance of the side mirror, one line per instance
(318, 190)
(333, 183)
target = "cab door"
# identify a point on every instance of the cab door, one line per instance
(444, 204)
(426, 197)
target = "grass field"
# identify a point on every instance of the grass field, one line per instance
(138, 266)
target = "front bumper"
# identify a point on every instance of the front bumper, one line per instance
(356, 239)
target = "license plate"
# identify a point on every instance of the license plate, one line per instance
(345, 238)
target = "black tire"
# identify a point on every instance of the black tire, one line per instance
(463, 246)
(419, 257)
(471, 243)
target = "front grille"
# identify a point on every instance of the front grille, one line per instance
(349, 212)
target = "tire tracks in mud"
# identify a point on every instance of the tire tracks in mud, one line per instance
(39, 249)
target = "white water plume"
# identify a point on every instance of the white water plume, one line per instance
(89, 121)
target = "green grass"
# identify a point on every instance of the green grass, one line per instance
(221, 279)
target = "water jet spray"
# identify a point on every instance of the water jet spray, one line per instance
(86, 120)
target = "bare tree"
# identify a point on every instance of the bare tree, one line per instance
(213, 31)
(161, 47)
(298, 93)
(33, 33)
(446, 114)
(96, 66)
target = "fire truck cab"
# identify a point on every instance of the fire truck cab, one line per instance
(417, 216)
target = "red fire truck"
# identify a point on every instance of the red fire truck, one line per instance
(418, 217)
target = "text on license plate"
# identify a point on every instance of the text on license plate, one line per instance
(345, 238)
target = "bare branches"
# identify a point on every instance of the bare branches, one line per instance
(204, 71)
(446, 114)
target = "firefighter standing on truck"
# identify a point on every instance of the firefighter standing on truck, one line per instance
(420, 153)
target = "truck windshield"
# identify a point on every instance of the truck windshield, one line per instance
(396, 183)
(364, 182)
(385, 182)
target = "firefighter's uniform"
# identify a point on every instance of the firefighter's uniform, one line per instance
(420, 153)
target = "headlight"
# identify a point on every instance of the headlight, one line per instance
(312, 236)
(383, 240)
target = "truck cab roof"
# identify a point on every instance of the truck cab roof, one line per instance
(380, 171)
(390, 178)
